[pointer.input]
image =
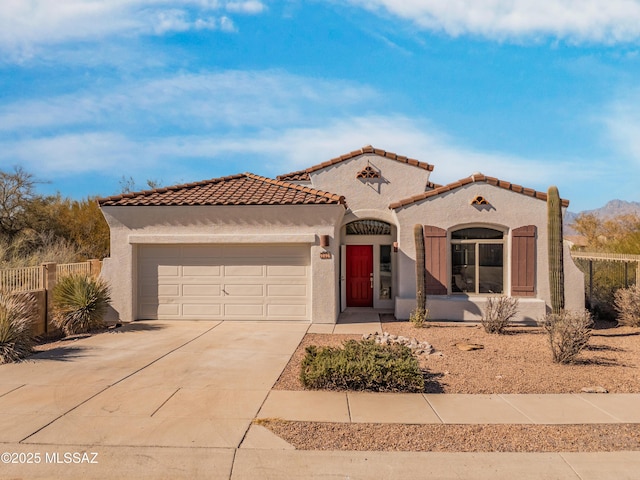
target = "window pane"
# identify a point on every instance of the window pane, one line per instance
(385, 272)
(477, 234)
(463, 262)
(491, 269)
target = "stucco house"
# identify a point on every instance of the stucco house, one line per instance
(310, 244)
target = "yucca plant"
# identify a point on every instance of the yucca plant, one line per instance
(17, 315)
(80, 303)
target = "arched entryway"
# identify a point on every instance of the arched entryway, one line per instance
(368, 265)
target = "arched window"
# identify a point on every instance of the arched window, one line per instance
(477, 261)
(368, 227)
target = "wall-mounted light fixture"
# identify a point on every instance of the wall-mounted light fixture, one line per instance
(395, 247)
(324, 240)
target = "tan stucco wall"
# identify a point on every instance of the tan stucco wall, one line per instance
(507, 210)
(133, 226)
(397, 181)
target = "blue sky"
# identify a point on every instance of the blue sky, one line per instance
(536, 93)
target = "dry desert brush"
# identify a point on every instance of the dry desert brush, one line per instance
(80, 303)
(499, 313)
(362, 365)
(569, 332)
(17, 316)
(627, 303)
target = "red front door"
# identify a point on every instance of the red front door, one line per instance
(359, 276)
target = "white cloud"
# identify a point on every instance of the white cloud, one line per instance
(25, 25)
(607, 21)
(251, 7)
(235, 99)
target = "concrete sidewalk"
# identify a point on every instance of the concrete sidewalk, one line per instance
(417, 408)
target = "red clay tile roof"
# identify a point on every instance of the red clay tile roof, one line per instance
(475, 178)
(241, 189)
(300, 175)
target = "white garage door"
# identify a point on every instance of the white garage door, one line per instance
(223, 282)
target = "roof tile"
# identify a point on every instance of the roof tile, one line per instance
(242, 189)
(475, 178)
(356, 153)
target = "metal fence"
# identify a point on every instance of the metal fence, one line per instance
(604, 274)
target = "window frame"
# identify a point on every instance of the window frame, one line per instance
(477, 242)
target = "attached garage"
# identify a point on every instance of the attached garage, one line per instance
(240, 282)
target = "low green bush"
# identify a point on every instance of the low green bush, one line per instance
(17, 315)
(80, 303)
(362, 365)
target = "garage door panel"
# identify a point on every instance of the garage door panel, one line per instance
(205, 290)
(240, 282)
(243, 310)
(287, 290)
(201, 310)
(244, 290)
(201, 270)
(168, 270)
(243, 271)
(286, 310)
(287, 270)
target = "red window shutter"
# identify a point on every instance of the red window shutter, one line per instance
(435, 250)
(523, 261)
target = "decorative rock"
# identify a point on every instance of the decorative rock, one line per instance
(419, 348)
(594, 390)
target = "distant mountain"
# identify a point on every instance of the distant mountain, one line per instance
(613, 208)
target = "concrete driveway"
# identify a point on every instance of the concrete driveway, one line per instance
(152, 400)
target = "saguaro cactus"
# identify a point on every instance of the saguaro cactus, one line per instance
(421, 294)
(556, 264)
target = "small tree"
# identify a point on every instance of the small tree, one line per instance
(499, 313)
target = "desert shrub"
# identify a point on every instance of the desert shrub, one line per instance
(17, 315)
(569, 333)
(418, 317)
(499, 313)
(80, 303)
(627, 303)
(362, 365)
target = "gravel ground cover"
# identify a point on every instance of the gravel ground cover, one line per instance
(457, 438)
(518, 362)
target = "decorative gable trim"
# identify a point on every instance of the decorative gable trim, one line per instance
(368, 172)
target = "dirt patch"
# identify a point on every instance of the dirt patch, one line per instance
(457, 438)
(518, 362)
